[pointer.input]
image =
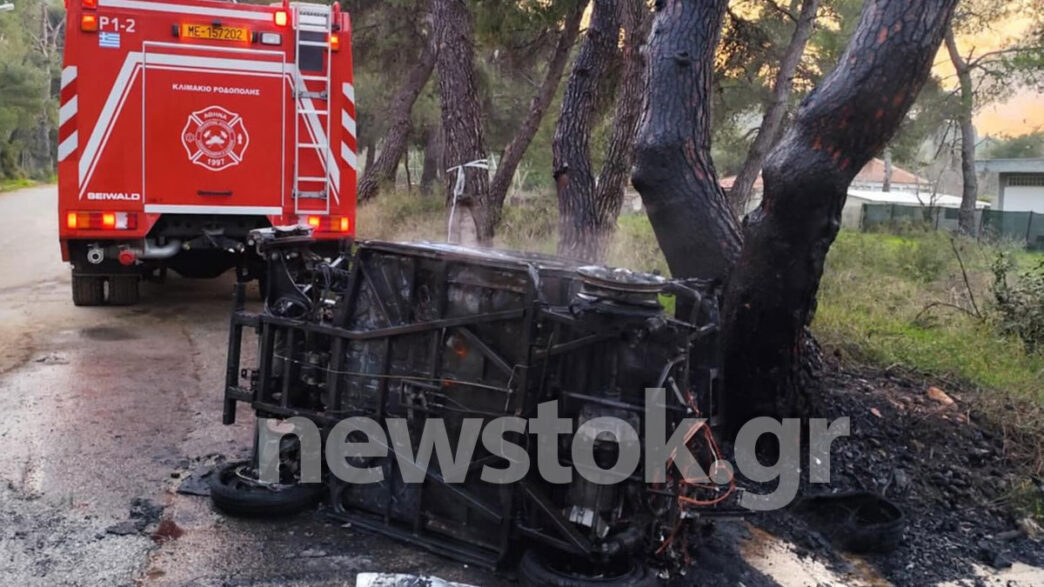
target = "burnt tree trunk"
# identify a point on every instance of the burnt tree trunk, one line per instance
(574, 178)
(432, 159)
(970, 182)
(694, 225)
(774, 110)
(612, 180)
(461, 121)
(512, 155)
(847, 120)
(396, 141)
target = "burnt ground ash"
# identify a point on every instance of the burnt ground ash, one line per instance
(944, 464)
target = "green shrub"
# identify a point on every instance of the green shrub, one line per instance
(1019, 300)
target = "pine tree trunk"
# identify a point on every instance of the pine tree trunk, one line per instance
(616, 169)
(673, 172)
(370, 145)
(515, 150)
(461, 120)
(771, 295)
(970, 183)
(432, 159)
(571, 151)
(775, 109)
(396, 141)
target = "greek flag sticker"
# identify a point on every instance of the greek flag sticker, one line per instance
(109, 40)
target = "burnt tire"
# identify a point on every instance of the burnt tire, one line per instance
(236, 493)
(123, 290)
(537, 569)
(859, 522)
(88, 290)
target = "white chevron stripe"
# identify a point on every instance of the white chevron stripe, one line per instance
(68, 75)
(349, 156)
(348, 123)
(124, 81)
(349, 91)
(67, 147)
(67, 111)
(106, 119)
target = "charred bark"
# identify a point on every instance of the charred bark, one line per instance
(572, 171)
(396, 141)
(461, 120)
(673, 172)
(774, 110)
(512, 155)
(970, 182)
(848, 119)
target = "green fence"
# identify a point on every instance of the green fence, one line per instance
(1027, 227)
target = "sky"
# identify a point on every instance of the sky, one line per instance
(1022, 112)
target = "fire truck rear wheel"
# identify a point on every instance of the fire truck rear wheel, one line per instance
(123, 290)
(88, 290)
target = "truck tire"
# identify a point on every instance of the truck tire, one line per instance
(88, 290)
(235, 492)
(123, 290)
(538, 569)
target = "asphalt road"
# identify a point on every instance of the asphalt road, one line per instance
(104, 410)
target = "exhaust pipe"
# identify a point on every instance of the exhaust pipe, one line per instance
(154, 251)
(129, 256)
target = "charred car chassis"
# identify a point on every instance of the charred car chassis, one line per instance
(418, 331)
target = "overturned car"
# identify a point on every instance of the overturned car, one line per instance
(481, 342)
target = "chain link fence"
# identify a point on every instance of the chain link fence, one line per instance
(1024, 227)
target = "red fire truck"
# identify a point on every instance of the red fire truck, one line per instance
(186, 124)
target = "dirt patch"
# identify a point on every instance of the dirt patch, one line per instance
(943, 462)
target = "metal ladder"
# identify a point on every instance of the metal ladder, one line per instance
(312, 18)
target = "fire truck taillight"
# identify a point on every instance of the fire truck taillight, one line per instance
(89, 23)
(101, 220)
(280, 18)
(329, 224)
(335, 42)
(89, 4)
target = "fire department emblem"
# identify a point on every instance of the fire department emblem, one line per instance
(215, 138)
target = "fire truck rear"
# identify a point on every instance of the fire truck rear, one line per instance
(186, 124)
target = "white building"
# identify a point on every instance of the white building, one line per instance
(1020, 181)
(870, 178)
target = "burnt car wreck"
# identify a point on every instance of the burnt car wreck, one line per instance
(422, 331)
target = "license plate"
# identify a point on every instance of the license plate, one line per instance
(215, 33)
